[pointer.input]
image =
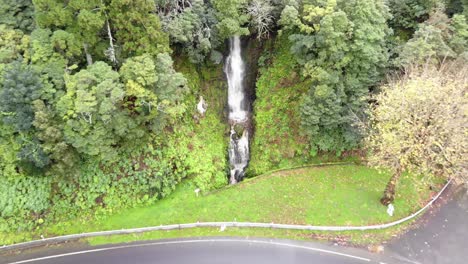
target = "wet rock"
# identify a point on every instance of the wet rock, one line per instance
(239, 130)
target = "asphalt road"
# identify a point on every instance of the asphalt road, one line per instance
(442, 237)
(205, 251)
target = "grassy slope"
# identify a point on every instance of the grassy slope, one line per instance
(337, 195)
(278, 141)
(304, 196)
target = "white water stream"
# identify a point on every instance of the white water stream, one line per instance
(238, 115)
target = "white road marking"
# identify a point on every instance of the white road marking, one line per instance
(193, 241)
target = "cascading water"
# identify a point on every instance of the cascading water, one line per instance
(238, 114)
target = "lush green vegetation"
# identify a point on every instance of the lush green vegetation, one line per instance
(141, 177)
(98, 105)
(278, 141)
(334, 195)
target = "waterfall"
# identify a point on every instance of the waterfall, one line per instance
(235, 71)
(238, 115)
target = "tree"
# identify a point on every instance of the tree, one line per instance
(20, 87)
(31, 153)
(290, 18)
(171, 85)
(79, 23)
(437, 39)
(49, 64)
(92, 25)
(18, 14)
(154, 90)
(456, 7)
(191, 26)
(137, 28)
(407, 14)
(13, 45)
(261, 17)
(418, 125)
(66, 44)
(48, 130)
(341, 46)
(232, 19)
(140, 76)
(459, 40)
(96, 121)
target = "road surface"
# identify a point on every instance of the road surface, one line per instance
(442, 237)
(204, 251)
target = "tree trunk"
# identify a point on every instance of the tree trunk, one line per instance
(89, 58)
(111, 51)
(389, 193)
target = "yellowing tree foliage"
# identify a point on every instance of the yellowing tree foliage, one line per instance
(420, 125)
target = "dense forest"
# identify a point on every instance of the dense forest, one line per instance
(98, 98)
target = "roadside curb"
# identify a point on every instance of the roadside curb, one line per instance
(60, 239)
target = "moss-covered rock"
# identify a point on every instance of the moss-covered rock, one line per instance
(239, 130)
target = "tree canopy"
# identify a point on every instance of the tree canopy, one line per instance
(419, 125)
(343, 51)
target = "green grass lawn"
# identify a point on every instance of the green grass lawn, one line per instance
(333, 195)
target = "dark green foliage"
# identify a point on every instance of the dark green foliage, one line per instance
(27, 202)
(192, 28)
(50, 64)
(453, 7)
(20, 87)
(407, 14)
(49, 131)
(138, 30)
(32, 153)
(92, 108)
(342, 47)
(78, 22)
(232, 20)
(89, 26)
(138, 176)
(17, 14)
(170, 85)
(437, 39)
